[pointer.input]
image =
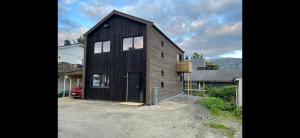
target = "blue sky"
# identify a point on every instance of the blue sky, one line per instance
(211, 27)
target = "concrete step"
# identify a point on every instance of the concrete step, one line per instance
(131, 104)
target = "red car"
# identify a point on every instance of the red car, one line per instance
(76, 92)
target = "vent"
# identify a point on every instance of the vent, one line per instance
(105, 25)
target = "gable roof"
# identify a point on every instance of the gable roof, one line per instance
(114, 12)
(64, 67)
(215, 75)
(140, 20)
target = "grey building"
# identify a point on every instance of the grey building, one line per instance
(216, 78)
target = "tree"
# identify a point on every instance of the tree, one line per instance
(213, 65)
(80, 40)
(186, 57)
(197, 56)
(67, 43)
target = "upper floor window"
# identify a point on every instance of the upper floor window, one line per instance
(106, 46)
(98, 47)
(162, 43)
(101, 47)
(133, 43)
(162, 72)
(162, 54)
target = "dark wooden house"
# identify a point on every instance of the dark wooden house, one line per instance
(126, 57)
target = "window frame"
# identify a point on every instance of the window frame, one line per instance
(102, 46)
(100, 76)
(133, 47)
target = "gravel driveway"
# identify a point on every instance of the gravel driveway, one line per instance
(176, 118)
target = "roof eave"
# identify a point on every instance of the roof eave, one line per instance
(114, 12)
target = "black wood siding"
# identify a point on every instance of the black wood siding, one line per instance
(117, 62)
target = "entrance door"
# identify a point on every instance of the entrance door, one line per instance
(133, 87)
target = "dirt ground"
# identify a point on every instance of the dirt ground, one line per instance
(179, 117)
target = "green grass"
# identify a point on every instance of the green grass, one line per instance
(229, 131)
(221, 109)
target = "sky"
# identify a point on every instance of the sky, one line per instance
(211, 27)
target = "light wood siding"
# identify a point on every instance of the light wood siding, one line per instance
(156, 63)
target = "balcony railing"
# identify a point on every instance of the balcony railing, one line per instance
(184, 66)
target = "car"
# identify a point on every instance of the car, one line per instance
(76, 92)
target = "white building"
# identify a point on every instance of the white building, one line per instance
(72, 54)
(70, 60)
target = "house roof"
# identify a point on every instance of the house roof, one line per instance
(73, 45)
(140, 20)
(64, 67)
(215, 75)
(114, 12)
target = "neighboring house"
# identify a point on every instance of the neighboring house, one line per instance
(70, 60)
(72, 54)
(126, 57)
(228, 63)
(215, 78)
(69, 76)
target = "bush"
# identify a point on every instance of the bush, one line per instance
(215, 104)
(227, 93)
(199, 93)
(238, 112)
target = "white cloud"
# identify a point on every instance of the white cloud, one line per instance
(62, 36)
(69, 1)
(213, 27)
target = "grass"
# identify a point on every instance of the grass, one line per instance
(222, 110)
(229, 131)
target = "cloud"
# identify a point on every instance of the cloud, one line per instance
(70, 35)
(69, 1)
(213, 27)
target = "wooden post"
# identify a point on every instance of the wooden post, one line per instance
(127, 87)
(188, 84)
(70, 86)
(64, 92)
(78, 82)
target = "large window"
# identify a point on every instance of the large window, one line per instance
(133, 43)
(127, 43)
(101, 47)
(138, 42)
(100, 80)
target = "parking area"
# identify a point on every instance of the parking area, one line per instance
(179, 117)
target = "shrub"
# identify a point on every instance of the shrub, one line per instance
(199, 93)
(238, 112)
(215, 104)
(227, 93)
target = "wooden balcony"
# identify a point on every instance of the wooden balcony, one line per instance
(184, 66)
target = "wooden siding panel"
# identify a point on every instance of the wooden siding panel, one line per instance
(168, 63)
(117, 62)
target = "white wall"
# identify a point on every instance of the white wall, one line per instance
(60, 82)
(239, 92)
(73, 54)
